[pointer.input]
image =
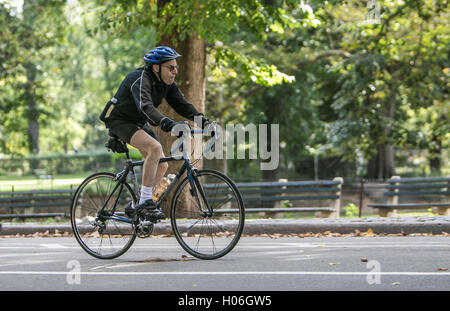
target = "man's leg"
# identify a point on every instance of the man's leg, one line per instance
(152, 170)
(160, 170)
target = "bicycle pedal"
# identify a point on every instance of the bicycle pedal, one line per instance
(153, 219)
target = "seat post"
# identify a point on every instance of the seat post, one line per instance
(127, 152)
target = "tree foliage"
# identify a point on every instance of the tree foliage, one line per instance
(338, 83)
(396, 64)
(30, 38)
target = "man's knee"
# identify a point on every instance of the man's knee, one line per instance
(164, 166)
(143, 152)
(153, 149)
(148, 146)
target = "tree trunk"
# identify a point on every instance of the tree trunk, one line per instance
(435, 155)
(272, 114)
(382, 166)
(106, 71)
(191, 80)
(32, 114)
(32, 111)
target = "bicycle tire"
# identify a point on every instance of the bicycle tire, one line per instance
(190, 226)
(86, 202)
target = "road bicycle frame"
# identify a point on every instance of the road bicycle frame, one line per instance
(121, 178)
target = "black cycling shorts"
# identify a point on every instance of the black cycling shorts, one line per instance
(125, 130)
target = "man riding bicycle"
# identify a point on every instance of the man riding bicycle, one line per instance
(134, 106)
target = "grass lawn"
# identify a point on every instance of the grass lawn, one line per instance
(23, 183)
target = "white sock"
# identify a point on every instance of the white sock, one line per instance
(146, 194)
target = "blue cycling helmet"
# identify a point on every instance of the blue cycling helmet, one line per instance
(160, 54)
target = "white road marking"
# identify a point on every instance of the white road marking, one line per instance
(99, 267)
(169, 273)
(127, 265)
(30, 254)
(54, 245)
(28, 262)
(37, 247)
(302, 257)
(352, 245)
(288, 252)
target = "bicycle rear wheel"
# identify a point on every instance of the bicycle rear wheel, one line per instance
(108, 234)
(201, 234)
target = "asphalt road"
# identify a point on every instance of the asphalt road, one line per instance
(256, 264)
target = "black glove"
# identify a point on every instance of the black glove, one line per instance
(204, 121)
(167, 124)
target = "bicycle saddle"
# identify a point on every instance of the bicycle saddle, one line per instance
(115, 144)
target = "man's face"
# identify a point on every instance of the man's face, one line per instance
(168, 71)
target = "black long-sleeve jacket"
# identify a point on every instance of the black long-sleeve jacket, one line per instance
(139, 96)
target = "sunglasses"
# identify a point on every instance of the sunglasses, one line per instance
(171, 68)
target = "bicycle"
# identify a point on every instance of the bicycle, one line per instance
(207, 212)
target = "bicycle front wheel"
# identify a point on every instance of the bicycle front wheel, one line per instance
(98, 218)
(201, 233)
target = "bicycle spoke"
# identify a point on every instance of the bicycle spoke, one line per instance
(193, 225)
(218, 225)
(224, 201)
(198, 240)
(214, 235)
(107, 237)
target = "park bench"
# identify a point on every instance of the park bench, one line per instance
(35, 204)
(415, 191)
(42, 174)
(256, 196)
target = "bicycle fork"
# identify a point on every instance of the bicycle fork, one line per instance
(196, 185)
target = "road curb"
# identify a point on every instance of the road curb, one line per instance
(434, 225)
(346, 228)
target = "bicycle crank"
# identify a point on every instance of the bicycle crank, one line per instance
(144, 228)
